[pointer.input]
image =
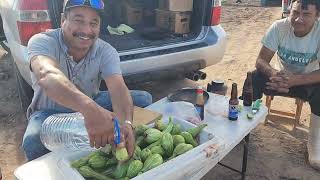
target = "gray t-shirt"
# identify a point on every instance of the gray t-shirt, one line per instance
(101, 61)
(296, 54)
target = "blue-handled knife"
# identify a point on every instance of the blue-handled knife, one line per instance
(117, 132)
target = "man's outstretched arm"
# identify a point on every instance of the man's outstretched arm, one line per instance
(57, 86)
(122, 106)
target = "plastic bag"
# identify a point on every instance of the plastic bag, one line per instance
(218, 109)
(183, 110)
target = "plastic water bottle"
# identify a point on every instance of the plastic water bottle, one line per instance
(65, 132)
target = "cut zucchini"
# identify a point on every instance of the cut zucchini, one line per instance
(250, 116)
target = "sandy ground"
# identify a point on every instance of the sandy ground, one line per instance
(275, 152)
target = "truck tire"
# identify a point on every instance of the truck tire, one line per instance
(25, 91)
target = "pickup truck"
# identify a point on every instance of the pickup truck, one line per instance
(147, 54)
(285, 5)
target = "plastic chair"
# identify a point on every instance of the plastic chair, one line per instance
(299, 102)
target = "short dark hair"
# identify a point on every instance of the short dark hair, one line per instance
(305, 3)
(66, 12)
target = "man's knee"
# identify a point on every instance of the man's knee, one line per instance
(32, 146)
(314, 101)
(141, 98)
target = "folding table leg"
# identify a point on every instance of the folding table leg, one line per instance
(245, 156)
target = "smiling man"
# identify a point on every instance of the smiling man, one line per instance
(296, 40)
(67, 66)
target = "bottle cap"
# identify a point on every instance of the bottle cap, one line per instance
(199, 90)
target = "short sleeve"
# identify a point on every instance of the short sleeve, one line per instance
(110, 62)
(271, 38)
(41, 44)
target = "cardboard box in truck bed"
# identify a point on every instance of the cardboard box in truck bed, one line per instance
(132, 14)
(176, 5)
(176, 22)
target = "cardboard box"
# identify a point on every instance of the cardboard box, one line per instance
(180, 22)
(163, 19)
(132, 14)
(176, 5)
(176, 22)
(149, 16)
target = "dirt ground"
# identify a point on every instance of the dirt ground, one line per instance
(275, 151)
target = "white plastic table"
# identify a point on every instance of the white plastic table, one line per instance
(231, 132)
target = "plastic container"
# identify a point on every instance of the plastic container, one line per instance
(217, 87)
(222, 109)
(182, 110)
(181, 167)
(65, 132)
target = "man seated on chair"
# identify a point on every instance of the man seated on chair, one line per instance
(296, 40)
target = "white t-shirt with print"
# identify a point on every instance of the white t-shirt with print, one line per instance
(295, 54)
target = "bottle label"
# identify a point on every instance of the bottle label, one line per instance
(233, 111)
(200, 111)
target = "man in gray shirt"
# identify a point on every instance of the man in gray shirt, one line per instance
(67, 66)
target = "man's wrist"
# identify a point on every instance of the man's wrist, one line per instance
(272, 72)
(87, 106)
(298, 79)
(128, 123)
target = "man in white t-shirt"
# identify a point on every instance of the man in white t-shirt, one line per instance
(296, 40)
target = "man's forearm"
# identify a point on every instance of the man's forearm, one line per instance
(59, 88)
(62, 91)
(306, 79)
(265, 68)
(263, 62)
(122, 104)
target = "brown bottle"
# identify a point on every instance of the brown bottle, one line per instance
(199, 104)
(247, 91)
(233, 103)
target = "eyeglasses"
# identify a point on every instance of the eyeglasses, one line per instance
(96, 4)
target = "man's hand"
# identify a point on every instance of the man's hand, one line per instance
(127, 131)
(281, 82)
(98, 122)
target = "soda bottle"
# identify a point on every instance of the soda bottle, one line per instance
(247, 91)
(233, 103)
(199, 104)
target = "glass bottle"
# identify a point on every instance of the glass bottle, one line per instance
(233, 103)
(199, 104)
(247, 91)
